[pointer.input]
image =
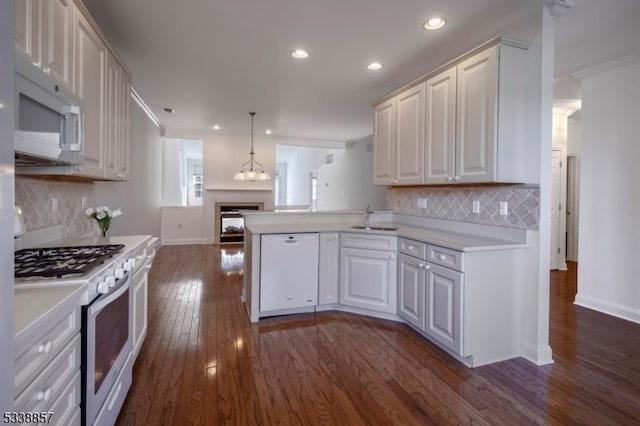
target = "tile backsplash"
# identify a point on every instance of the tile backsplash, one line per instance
(455, 203)
(35, 197)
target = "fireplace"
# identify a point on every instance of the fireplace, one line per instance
(229, 223)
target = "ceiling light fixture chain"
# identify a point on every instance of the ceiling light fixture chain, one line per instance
(252, 170)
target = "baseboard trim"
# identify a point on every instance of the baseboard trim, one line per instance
(185, 241)
(538, 355)
(609, 308)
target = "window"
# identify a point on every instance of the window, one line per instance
(182, 173)
(197, 186)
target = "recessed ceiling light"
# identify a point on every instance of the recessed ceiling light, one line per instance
(268, 131)
(434, 23)
(216, 127)
(169, 110)
(299, 54)
(374, 66)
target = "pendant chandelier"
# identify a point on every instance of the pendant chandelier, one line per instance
(252, 170)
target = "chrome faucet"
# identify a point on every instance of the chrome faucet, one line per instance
(367, 213)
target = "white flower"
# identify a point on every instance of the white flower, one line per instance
(89, 211)
(116, 213)
(101, 215)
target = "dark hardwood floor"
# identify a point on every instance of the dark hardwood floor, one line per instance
(204, 363)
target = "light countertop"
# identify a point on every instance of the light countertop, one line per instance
(33, 303)
(35, 298)
(448, 239)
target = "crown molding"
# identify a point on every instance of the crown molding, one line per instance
(142, 104)
(607, 66)
(557, 8)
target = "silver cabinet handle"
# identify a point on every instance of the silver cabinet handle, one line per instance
(421, 265)
(442, 257)
(456, 179)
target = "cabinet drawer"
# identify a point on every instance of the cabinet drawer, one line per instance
(446, 257)
(412, 248)
(66, 408)
(369, 241)
(48, 386)
(34, 354)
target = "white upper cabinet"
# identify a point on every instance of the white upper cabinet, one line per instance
(112, 116)
(410, 136)
(44, 34)
(124, 125)
(440, 127)
(385, 143)
(57, 40)
(399, 139)
(476, 117)
(28, 29)
(60, 37)
(473, 123)
(89, 85)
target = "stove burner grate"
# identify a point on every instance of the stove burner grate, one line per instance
(60, 261)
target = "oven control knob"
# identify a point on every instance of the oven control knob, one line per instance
(111, 281)
(119, 273)
(103, 287)
(127, 265)
(132, 262)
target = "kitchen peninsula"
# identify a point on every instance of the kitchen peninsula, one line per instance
(457, 284)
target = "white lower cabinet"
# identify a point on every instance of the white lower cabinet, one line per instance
(368, 279)
(329, 268)
(47, 365)
(411, 290)
(139, 315)
(444, 313)
(430, 296)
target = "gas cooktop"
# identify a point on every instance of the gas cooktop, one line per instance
(61, 261)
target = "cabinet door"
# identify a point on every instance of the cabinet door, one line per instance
(112, 116)
(411, 283)
(27, 32)
(368, 279)
(384, 144)
(89, 85)
(476, 117)
(444, 306)
(329, 273)
(440, 127)
(123, 152)
(139, 315)
(410, 136)
(57, 36)
(28, 27)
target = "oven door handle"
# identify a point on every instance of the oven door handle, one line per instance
(102, 302)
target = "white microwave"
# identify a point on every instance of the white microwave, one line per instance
(48, 120)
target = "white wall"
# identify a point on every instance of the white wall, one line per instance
(224, 154)
(608, 267)
(343, 184)
(303, 161)
(182, 225)
(360, 192)
(173, 173)
(138, 198)
(7, 192)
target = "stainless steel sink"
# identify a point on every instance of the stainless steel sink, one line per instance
(375, 228)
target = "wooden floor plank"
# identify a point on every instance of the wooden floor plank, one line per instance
(204, 363)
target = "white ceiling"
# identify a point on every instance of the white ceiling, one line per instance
(216, 60)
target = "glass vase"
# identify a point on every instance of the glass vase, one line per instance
(104, 227)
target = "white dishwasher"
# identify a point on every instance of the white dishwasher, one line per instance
(288, 271)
